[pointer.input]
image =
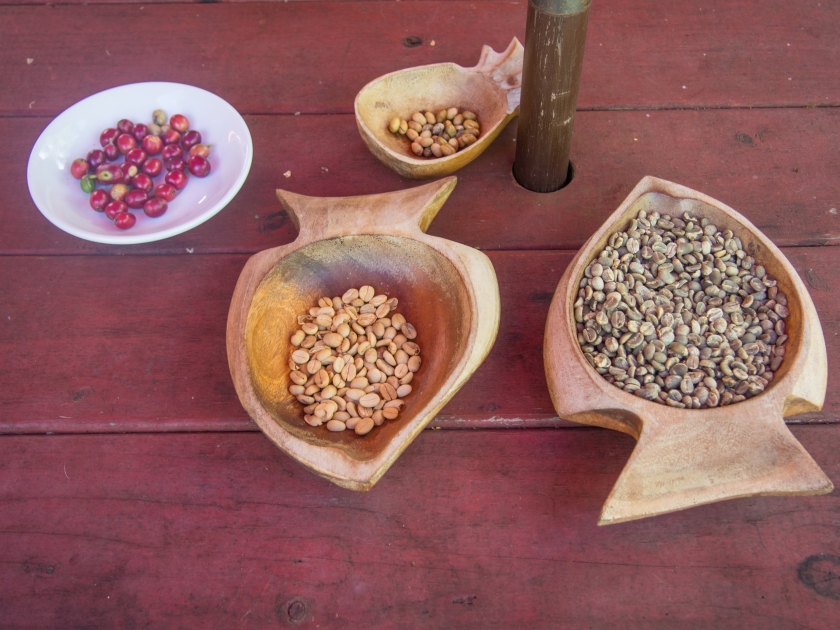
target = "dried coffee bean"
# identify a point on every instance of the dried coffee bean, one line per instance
(439, 134)
(349, 365)
(364, 426)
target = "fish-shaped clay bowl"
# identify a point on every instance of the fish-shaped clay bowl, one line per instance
(491, 90)
(688, 457)
(448, 291)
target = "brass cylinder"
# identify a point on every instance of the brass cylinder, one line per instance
(554, 42)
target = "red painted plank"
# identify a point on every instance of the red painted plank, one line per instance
(114, 344)
(778, 167)
(85, 2)
(314, 57)
(489, 529)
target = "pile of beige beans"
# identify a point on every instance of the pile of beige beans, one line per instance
(353, 362)
(438, 135)
(676, 312)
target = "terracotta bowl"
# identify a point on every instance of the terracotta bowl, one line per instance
(684, 457)
(491, 90)
(446, 290)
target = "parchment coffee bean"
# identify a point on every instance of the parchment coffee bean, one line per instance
(351, 361)
(336, 425)
(364, 426)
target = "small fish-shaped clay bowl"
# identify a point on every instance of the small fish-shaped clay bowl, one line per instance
(686, 457)
(491, 90)
(448, 291)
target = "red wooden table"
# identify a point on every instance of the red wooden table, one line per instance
(136, 492)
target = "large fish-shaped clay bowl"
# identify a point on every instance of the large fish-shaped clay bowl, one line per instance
(491, 90)
(685, 457)
(446, 290)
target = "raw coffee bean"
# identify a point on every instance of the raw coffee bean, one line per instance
(676, 311)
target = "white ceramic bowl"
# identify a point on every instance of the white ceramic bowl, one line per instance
(76, 131)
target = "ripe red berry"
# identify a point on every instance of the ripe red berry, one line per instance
(136, 156)
(140, 131)
(200, 149)
(125, 220)
(136, 198)
(179, 122)
(96, 157)
(171, 152)
(190, 139)
(170, 136)
(125, 143)
(179, 149)
(141, 181)
(125, 126)
(98, 200)
(152, 167)
(199, 166)
(166, 192)
(108, 136)
(79, 168)
(176, 164)
(176, 178)
(155, 207)
(111, 152)
(114, 208)
(152, 144)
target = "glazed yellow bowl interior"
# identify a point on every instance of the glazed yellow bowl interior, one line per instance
(432, 296)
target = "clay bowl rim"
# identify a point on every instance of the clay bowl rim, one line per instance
(454, 365)
(488, 135)
(777, 392)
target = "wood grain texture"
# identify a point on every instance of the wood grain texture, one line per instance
(489, 529)
(84, 353)
(777, 167)
(261, 58)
